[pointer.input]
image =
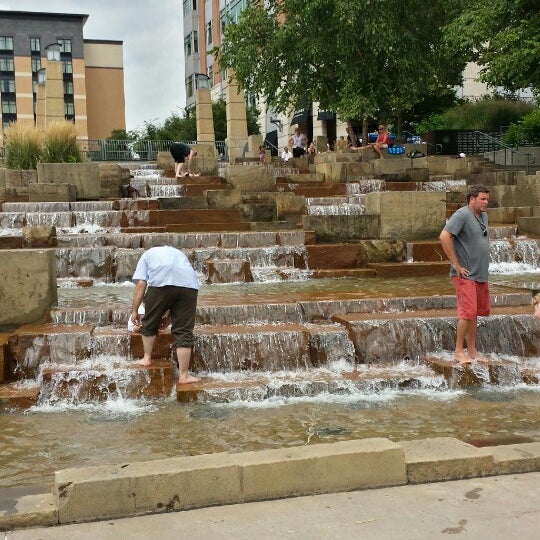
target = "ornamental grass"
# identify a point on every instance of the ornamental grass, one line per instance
(60, 145)
(23, 146)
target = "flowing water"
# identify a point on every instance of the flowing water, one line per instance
(296, 403)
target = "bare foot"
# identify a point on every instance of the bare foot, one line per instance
(188, 379)
(144, 363)
(195, 174)
(462, 358)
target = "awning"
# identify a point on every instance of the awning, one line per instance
(326, 114)
(301, 115)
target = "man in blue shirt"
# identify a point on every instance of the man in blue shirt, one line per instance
(165, 279)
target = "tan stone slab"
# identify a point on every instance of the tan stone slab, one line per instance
(444, 458)
(29, 511)
(104, 492)
(514, 458)
(342, 466)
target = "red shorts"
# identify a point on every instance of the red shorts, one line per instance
(472, 298)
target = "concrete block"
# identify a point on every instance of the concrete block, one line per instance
(407, 215)
(39, 237)
(220, 198)
(33, 510)
(84, 176)
(27, 284)
(153, 486)
(342, 228)
(444, 458)
(324, 468)
(290, 206)
(249, 178)
(52, 193)
(20, 180)
(514, 458)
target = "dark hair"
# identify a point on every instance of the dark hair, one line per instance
(475, 190)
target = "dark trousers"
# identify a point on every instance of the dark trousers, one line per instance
(182, 303)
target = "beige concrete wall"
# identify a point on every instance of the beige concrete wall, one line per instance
(84, 176)
(408, 215)
(27, 285)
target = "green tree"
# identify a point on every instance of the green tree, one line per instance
(359, 59)
(503, 38)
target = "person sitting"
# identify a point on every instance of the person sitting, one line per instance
(382, 141)
(262, 155)
(286, 154)
(312, 149)
(341, 144)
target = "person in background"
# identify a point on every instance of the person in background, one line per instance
(382, 142)
(465, 241)
(286, 154)
(298, 142)
(536, 304)
(341, 144)
(165, 279)
(312, 149)
(180, 152)
(262, 155)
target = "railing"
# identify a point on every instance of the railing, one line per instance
(122, 150)
(495, 145)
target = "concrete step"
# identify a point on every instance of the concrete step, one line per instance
(208, 227)
(17, 395)
(414, 269)
(192, 216)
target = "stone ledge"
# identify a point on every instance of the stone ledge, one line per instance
(514, 458)
(102, 492)
(28, 511)
(444, 458)
(192, 482)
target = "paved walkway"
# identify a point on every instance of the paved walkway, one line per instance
(498, 507)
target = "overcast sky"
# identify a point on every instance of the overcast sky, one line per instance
(153, 48)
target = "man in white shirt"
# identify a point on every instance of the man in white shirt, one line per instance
(165, 279)
(298, 143)
(286, 154)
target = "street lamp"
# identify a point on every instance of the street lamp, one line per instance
(53, 52)
(42, 76)
(202, 81)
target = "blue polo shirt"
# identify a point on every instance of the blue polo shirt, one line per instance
(165, 265)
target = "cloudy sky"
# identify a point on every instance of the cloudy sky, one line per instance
(153, 48)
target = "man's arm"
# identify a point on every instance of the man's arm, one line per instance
(447, 244)
(138, 295)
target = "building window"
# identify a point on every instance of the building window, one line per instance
(9, 106)
(6, 64)
(68, 87)
(36, 65)
(65, 45)
(6, 43)
(35, 45)
(7, 85)
(189, 6)
(210, 73)
(195, 41)
(189, 86)
(69, 109)
(187, 45)
(67, 66)
(209, 33)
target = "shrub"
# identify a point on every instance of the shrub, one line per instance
(526, 130)
(61, 143)
(486, 114)
(24, 146)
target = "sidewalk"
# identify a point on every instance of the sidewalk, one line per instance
(496, 507)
